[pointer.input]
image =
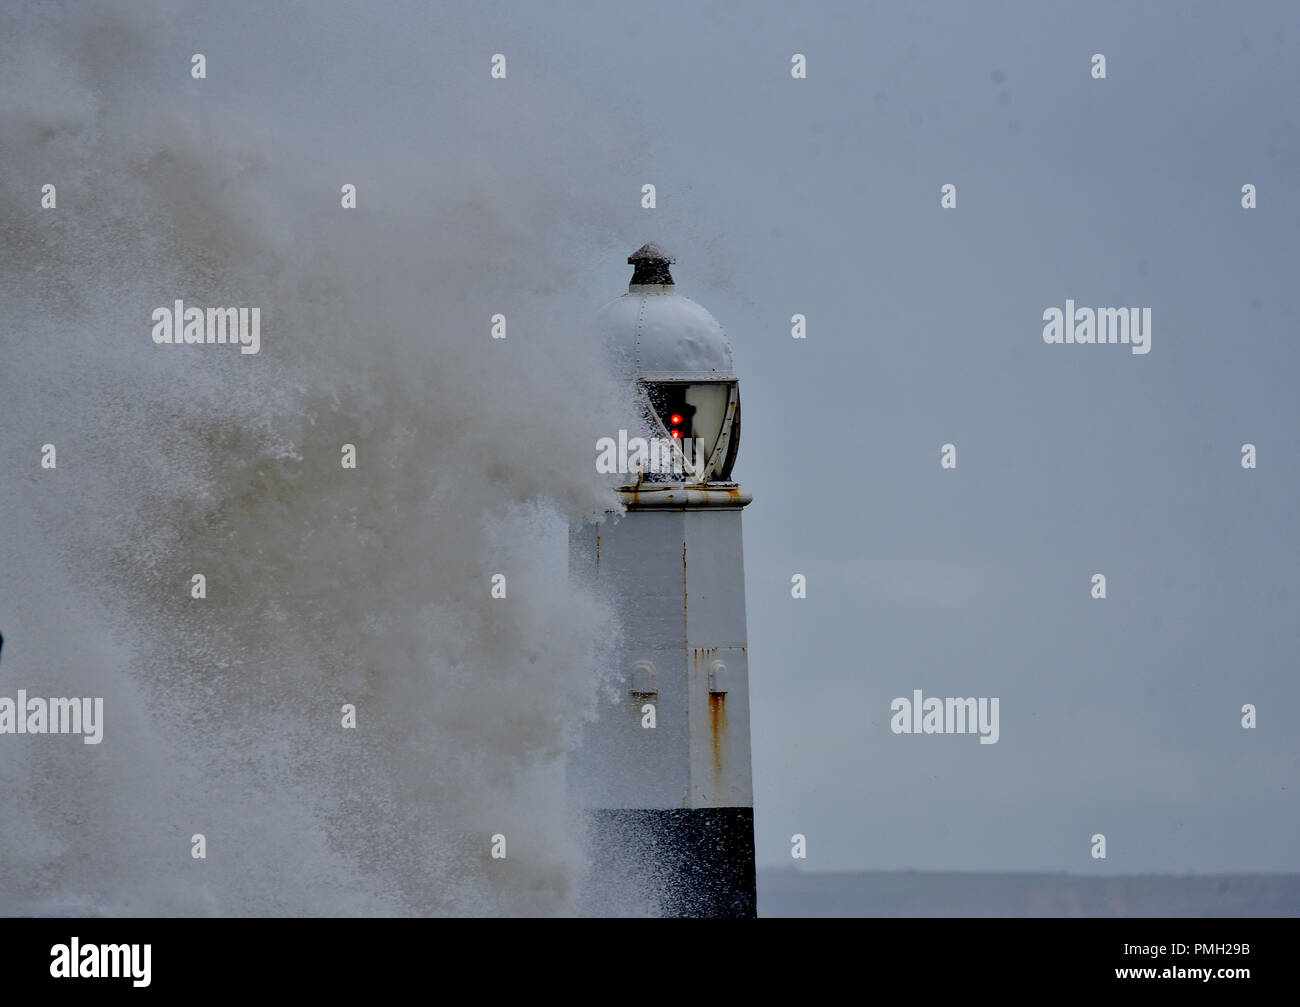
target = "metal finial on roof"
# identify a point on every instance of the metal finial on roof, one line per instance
(650, 265)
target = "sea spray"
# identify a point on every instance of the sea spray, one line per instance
(325, 586)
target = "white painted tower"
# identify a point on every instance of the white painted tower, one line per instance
(670, 807)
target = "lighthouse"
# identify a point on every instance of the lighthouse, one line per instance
(663, 774)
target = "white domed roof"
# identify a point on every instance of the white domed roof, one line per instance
(657, 334)
(653, 332)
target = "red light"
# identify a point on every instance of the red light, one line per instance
(677, 434)
(674, 419)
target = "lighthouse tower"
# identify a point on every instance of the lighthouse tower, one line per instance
(663, 774)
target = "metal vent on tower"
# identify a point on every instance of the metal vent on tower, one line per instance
(650, 265)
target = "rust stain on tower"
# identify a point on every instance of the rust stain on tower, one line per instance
(718, 724)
